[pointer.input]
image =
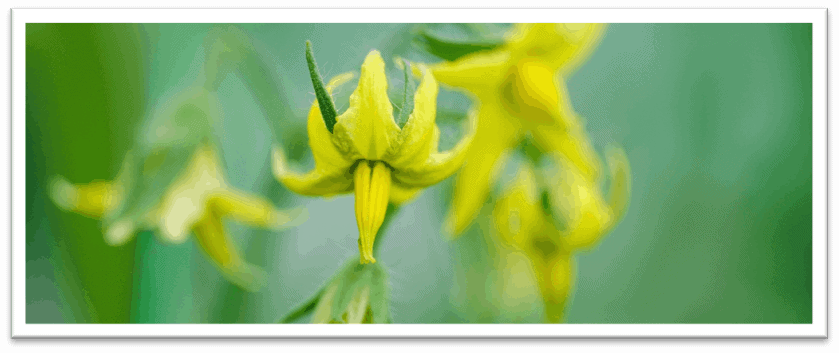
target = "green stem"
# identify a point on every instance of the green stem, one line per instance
(309, 305)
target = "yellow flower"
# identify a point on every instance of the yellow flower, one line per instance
(518, 91)
(522, 223)
(367, 152)
(194, 201)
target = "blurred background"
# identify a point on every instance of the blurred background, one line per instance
(715, 119)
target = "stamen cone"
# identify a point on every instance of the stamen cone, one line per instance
(372, 190)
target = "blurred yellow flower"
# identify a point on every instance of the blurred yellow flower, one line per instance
(367, 152)
(518, 91)
(523, 224)
(193, 201)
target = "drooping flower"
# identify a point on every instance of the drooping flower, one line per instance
(174, 183)
(524, 223)
(519, 89)
(367, 151)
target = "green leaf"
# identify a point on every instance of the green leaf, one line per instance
(327, 107)
(455, 40)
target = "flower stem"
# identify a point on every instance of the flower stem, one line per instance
(310, 304)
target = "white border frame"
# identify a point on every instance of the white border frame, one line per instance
(818, 18)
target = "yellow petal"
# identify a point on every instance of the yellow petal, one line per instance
(331, 173)
(621, 185)
(496, 135)
(213, 239)
(417, 136)
(518, 213)
(580, 201)
(439, 165)
(555, 277)
(184, 202)
(320, 181)
(400, 194)
(570, 144)
(253, 210)
(372, 189)
(582, 38)
(92, 199)
(120, 232)
(367, 129)
(561, 45)
(530, 92)
(480, 73)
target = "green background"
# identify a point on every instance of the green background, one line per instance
(716, 120)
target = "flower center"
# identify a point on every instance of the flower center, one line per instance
(372, 190)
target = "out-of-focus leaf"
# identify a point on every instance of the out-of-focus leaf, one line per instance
(451, 41)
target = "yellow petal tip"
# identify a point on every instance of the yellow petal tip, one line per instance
(289, 218)
(63, 193)
(278, 162)
(119, 233)
(246, 276)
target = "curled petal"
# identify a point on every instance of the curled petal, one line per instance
(518, 213)
(326, 154)
(330, 175)
(324, 180)
(480, 73)
(400, 194)
(367, 129)
(417, 136)
(254, 210)
(569, 144)
(580, 202)
(120, 232)
(582, 38)
(496, 135)
(530, 92)
(566, 137)
(92, 199)
(213, 239)
(185, 201)
(438, 165)
(563, 45)
(555, 277)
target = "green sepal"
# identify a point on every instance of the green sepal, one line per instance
(352, 279)
(302, 309)
(346, 284)
(408, 93)
(455, 40)
(379, 295)
(327, 107)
